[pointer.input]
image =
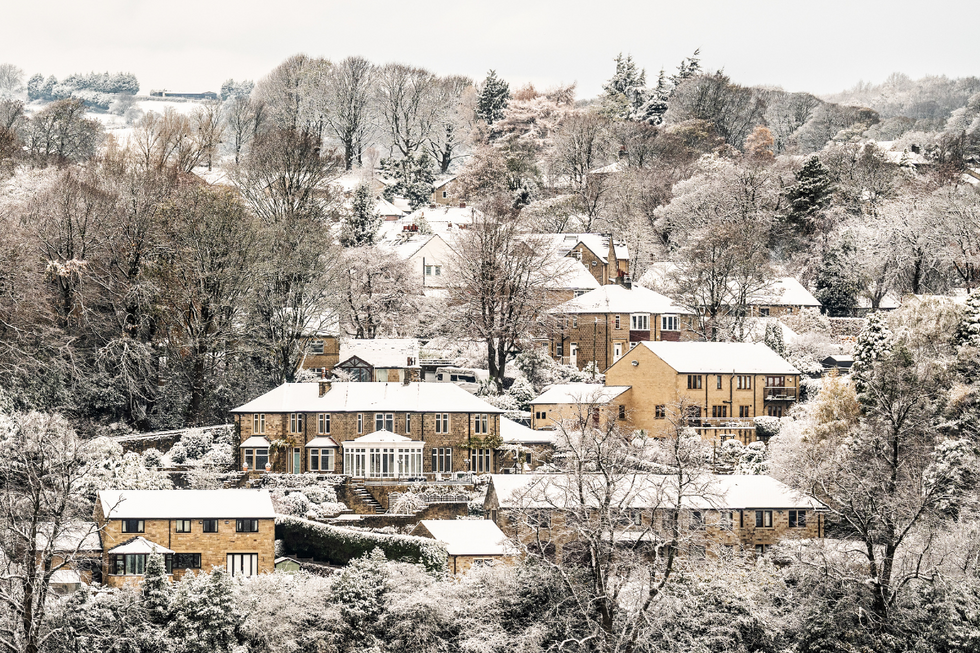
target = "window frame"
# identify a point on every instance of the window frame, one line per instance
(639, 321)
(128, 524)
(180, 559)
(258, 423)
(694, 382)
(442, 423)
(668, 323)
(384, 421)
(797, 518)
(206, 523)
(763, 518)
(323, 424)
(660, 411)
(182, 525)
(246, 525)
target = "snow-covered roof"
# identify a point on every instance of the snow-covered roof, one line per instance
(138, 545)
(407, 247)
(378, 437)
(259, 441)
(614, 298)
(384, 207)
(477, 537)
(575, 393)
(322, 442)
(719, 357)
(568, 273)
(66, 577)
(615, 166)
(83, 536)
(368, 397)
(888, 303)
(709, 491)
(512, 432)
(186, 504)
(785, 291)
(382, 352)
(442, 181)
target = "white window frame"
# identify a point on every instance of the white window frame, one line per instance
(323, 424)
(668, 323)
(640, 322)
(442, 422)
(242, 564)
(258, 423)
(297, 422)
(384, 421)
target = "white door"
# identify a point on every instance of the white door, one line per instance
(573, 355)
(617, 351)
(243, 564)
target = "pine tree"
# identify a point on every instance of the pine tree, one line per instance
(809, 197)
(968, 331)
(156, 590)
(493, 98)
(837, 284)
(35, 87)
(362, 221)
(873, 343)
(413, 178)
(204, 617)
(774, 337)
(627, 77)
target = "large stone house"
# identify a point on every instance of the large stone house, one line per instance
(565, 403)
(715, 384)
(192, 529)
(369, 430)
(713, 513)
(603, 324)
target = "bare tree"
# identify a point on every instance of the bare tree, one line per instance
(456, 97)
(44, 521)
(349, 94)
(209, 128)
(11, 79)
(61, 133)
(244, 117)
(381, 293)
(407, 101)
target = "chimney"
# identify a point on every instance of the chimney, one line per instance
(406, 378)
(462, 205)
(324, 387)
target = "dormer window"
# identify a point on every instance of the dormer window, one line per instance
(640, 322)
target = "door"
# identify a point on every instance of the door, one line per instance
(617, 351)
(573, 355)
(297, 461)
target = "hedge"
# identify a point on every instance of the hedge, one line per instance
(338, 546)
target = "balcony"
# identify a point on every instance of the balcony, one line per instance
(780, 393)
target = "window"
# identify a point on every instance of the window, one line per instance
(385, 421)
(763, 518)
(717, 381)
(408, 423)
(135, 564)
(617, 322)
(187, 561)
(360, 423)
(574, 322)
(442, 459)
(774, 411)
(246, 525)
(743, 382)
(539, 518)
(622, 411)
(132, 526)
(743, 411)
(797, 518)
(725, 520)
(433, 270)
(243, 564)
(693, 381)
(762, 549)
(719, 411)
(210, 525)
(481, 460)
(697, 520)
(775, 381)
(445, 194)
(764, 311)
(540, 414)
(316, 346)
(640, 322)
(661, 412)
(789, 311)
(183, 525)
(483, 562)
(480, 424)
(255, 458)
(668, 323)
(442, 422)
(296, 422)
(321, 460)
(258, 423)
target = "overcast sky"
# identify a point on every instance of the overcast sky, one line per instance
(822, 46)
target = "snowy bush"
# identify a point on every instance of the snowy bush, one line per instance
(339, 546)
(406, 503)
(152, 457)
(766, 427)
(107, 467)
(196, 443)
(320, 494)
(178, 454)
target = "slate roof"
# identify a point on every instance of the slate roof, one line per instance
(368, 398)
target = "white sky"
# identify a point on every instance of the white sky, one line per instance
(822, 46)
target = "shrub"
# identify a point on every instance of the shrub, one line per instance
(152, 457)
(766, 427)
(178, 454)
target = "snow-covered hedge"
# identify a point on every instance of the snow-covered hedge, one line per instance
(338, 546)
(297, 481)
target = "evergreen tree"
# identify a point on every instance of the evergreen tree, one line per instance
(626, 77)
(873, 343)
(493, 98)
(204, 617)
(362, 221)
(156, 590)
(35, 87)
(837, 284)
(47, 91)
(774, 337)
(689, 67)
(809, 196)
(968, 330)
(413, 178)
(361, 592)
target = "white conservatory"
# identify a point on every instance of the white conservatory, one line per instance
(383, 454)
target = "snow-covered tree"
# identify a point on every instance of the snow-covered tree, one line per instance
(360, 592)
(492, 98)
(968, 330)
(204, 616)
(809, 196)
(361, 221)
(873, 343)
(838, 283)
(156, 590)
(413, 178)
(774, 337)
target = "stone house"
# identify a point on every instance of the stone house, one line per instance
(565, 402)
(469, 542)
(715, 512)
(784, 296)
(192, 529)
(347, 428)
(720, 386)
(603, 324)
(380, 359)
(524, 449)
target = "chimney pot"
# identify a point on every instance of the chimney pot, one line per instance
(324, 387)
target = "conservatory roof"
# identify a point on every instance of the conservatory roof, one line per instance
(381, 437)
(186, 504)
(139, 545)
